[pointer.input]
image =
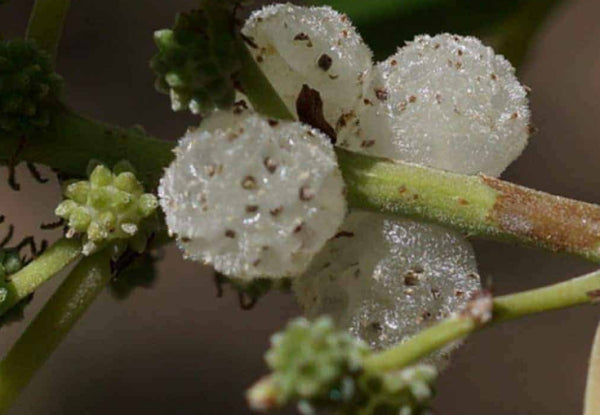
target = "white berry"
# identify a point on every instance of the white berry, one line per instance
(253, 197)
(316, 46)
(447, 102)
(385, 278)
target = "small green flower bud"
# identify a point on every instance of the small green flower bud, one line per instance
(127, 182)
(147, 204)
(79, 219)
(109, 208)
(65, 208)
(78, 191)
(12, 262)
(101, 176)
(29, 88)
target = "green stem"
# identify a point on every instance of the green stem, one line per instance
(51, 325)
(574, 292)
(476, 205)
(27, 280)
(258, 89)
(46, 24)
(72, 140)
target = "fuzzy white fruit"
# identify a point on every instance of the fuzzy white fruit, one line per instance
(447, 102)
(385, 278)
(316, 46)
(253, 197)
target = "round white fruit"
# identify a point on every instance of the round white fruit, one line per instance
(385, 279)
(316, 46)
(447, 102)
(253, 197)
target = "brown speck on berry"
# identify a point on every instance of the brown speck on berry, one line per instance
(270, 164)
(277, 211)
(301, 36)
(306, 194)
(411, 279)
(367, 143)
(249, 183)
(325, 62)
(381, 94)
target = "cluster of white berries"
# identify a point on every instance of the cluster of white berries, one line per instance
(447, 101)
(257, 197)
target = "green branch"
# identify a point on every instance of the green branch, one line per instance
(582, 290)
(46, 24)
(27, 280)
(51, 325)
(71, 141)
(476, 205)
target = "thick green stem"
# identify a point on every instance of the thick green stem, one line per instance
(51, 262)
(72, 141)
(574, 292)
(46, 24)
(51, 325)
(476, 205)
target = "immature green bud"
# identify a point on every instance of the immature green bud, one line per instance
(10, 263)
(308, 361)
(28, 88)
(309, 358)
(321, 368)
(406, 392)
(108, 208)
(197, 58)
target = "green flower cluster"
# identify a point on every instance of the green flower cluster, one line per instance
(197, 59)
(321, 368)
(110, 207)
(29, 88)
(406, 392)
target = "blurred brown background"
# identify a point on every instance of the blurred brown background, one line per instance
(177, 349)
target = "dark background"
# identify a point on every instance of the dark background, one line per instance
(177, 349)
